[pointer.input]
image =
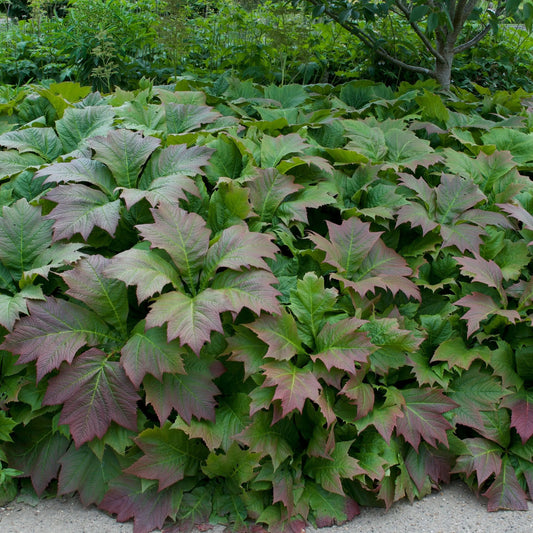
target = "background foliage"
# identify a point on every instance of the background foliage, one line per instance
(225, 302)
(107, 43)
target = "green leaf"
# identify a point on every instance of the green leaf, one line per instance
(190, 319)
(431, 104)
(36, 451)
(84, 472)
(268, 189)
(329, 509)
(24, 235)
(181, 118)
(11, 307)
(80, 124)
(236, 466)
(457, 355)
(231, 417)
(184, 236)
(418, 13)
(146, 269)
(280, 334)
(107, 297)
(274, 149)
(12, 162)
(518, 143)
(169, 456)
(125, 153)
(148, 352)
(6, 426)
(311, 302)
(226, 160)
(263, 437)
(341, 345)
(329, 472)
(475, 391)
(81, 169)
(41, 141)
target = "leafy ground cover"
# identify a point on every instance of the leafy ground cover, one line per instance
(222, 302)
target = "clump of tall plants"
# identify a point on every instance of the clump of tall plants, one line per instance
(261, 305)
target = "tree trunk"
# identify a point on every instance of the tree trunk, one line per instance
(443, 69)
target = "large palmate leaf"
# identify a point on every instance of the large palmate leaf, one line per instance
(11, 307)
(423, 418)
(475, 392)
(146, 269)
(311, 302)
(521, 405)
(124, 152)
(184, 236)
(94, 392)
(348, 245)
(169, 456)
(280, 334)
(13, 162)
(107, 297)
(37, 451)
(480, 306)
(362, 260)
(495, 174)
(54, 332)
(149, 508)
(329, 472)
(190, 394)
(24, 235)
(84, 472)
(449, 206)
(40, 141)
(506, 492)
(238, 247)
(250, 288)
(80, 124)
(148, 352)
(191, 319)
(340, 345)
(232, 416)
(274, 149)
(81, 169)
(483, 457)
(181, 118)
(80, 209)
(293, 385)
(268, 188)
(329, 509)
(393, 147)
(520, 144)
(276, 440)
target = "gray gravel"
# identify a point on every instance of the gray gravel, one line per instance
(454, 510)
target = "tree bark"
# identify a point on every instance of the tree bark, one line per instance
(443, 68)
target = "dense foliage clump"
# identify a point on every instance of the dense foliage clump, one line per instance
(224, 302)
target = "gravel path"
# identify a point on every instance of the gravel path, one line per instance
(454, 510)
